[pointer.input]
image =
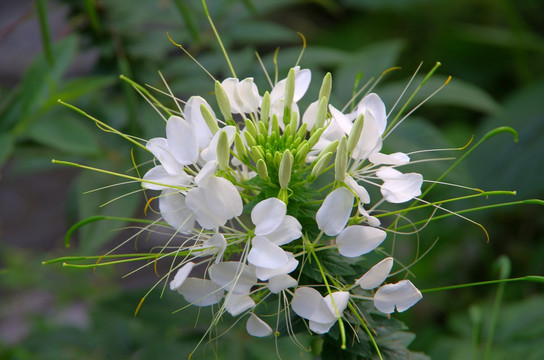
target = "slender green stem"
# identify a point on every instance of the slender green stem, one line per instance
(46, 36)
(530, 278)
(340, 322)
(504, 272)
(118, 174)
(90, 8)
(354, 311)
(218, 38)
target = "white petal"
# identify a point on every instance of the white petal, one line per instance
(219, 244)
(302, 82)
(357, 240)
(210, 153)
(289, 230)
(341, 120)
(267, 215)
(206, 173)
(370, 140)
(232, 275)
(159, 148)
(374, 105)
(398, 187)
(238, 303)
(196, 201)
(370, 220)
(201, 292)
(182, 140)
(402, 295)
(361, 192)
(397, 158)
(194, 116)
(310, 115)
(265, 274)
(175, 212)
(320, 328)
(281, 282)
(181, 275)
(230, 85)
(159, 175)
(334, 213)
(257, 327)
(309, 304)
(376, 275)
(341, 299)
(223, 198)
(266, 254)
(248, 96)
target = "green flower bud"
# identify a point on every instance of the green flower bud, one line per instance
(293, 123)
(329, 148)
(223, 151)
(320, 166)
(355, 133)
(315, 137)
(277, 158)
(341, 161)
(321, 114)
(301, 133)
(326, 86)
(208, 117)
(265, 108)
(223, 101)
(263, 130)
(289, 88)
(262, 171)
(240, 148)
(257, 152)
(250, 127)
(250, 140)
(302, 152)
(286, 166)
(275, 125)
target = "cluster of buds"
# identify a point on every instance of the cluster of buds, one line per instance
(259, 193)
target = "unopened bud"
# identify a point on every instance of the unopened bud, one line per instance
(262, 171)
(355, 133)
(320, 166)
(223, 101)
(265, 108)
(321, 114)
(240, 147)
(223, 151)
(209, 118)
(326, 86)
(341, 161)
(286, 166)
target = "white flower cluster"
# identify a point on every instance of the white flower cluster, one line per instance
(229, 191)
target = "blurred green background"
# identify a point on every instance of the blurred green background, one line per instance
(76, 50)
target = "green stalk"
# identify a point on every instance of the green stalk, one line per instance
(218, 38)
(46, 35)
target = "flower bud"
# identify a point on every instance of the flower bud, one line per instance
(320, 166)
(223, 151)
(302, 152)
(286, 166)
(262, 171)
(250, 127)
(315, 137)
(257, 152)
(326, 86)
(240, 147)
(341, 161)
(321, 114)
(223, 101)
(289, 89)
(209, 118)
(355, 133)
(250, 140)
(265, 108)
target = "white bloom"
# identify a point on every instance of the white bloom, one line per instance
(235, 304)
(266, 254)
(200, 292)
(281, 282)
(361, 192)
(376, 275)
(243, 95)
(181, 275)
(397, 158)
(309, 304)
(401, 295)
(398, 187)
(271, 220)
(193, 115)
(233, 276)
(257, 327)
(334, 213)
(170, 172)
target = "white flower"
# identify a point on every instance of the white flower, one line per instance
(334, 213)
(357, 240)
(200, 292)
(397, 158)
(235, 304)
(281, 282)
(402, 295)
(215, 200)
(243, 95)
(398, 187)
(309, 304)
(181, 275)
(233, 276)
(376, 275)
(193, 115)
(271, 220)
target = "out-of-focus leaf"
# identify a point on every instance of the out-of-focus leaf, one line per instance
(65, 132)
(456, 93)
(521, 164)
(78, 87)
(260, 32)
(6, 147)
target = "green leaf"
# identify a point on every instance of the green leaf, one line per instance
(6, 147)
(66, 133)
